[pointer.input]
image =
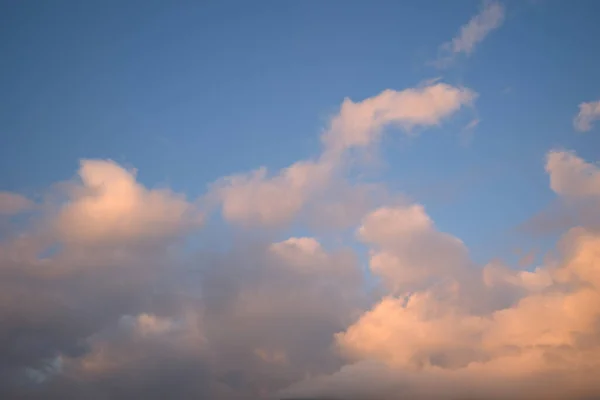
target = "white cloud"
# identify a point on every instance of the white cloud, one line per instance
(490, 17)
(588, 113)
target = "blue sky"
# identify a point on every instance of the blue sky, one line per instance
(188, 92)
(299, 199)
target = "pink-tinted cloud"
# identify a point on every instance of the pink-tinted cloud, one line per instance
(359, 124)
(588, 113)
(110, 205)
(12, 203)
(489, 18)
(429, 342)
(570, 176)
(406, 249)
(257, 198)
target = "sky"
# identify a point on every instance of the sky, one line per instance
(267, 200)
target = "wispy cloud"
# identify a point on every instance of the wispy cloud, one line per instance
(472, 124)
(490, 17)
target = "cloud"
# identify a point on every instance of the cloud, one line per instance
(360, 124)
(121, 311)
(109, 205)
(271, 310)
(257, 198)
(489, 18)
(111, 241)
(104, 295)
(572, 177)
(118, 308)
(142, 355)
(344, 205)
(435, 342)
(12, 203)
(406, 249)
(577, 183)
(116, 348)
(588, 113)
(544, 345)
(473, 124)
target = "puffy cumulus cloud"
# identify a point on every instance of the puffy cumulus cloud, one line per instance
(407, 251)
(233, 325)
(570, 176)
(489, 18)
(577, 183)
(544, 346)
(80, 265)
(257, 198)
(119, 309)
(13, 203)
(281, 306)
(588, 113)
(94, 321)
(110, 205)
(98, 301)
(541, 342)
(360, 124)
(416, 332)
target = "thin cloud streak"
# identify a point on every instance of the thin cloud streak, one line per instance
(490, 18)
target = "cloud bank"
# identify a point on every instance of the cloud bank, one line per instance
(488, 332)
(102, 297)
